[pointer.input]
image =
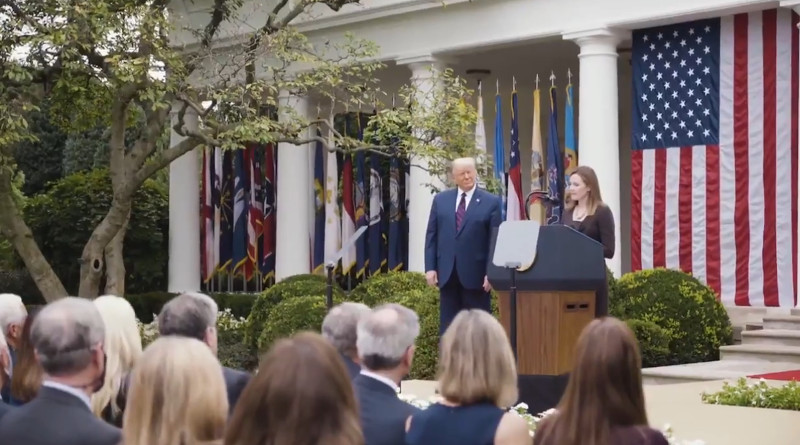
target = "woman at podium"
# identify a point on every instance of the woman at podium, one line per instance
(586, 213)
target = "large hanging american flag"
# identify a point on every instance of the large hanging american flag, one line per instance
(714, 166)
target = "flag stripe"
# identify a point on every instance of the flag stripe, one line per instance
(648, 208)
(769, 229)
(659, 206)
(794, 145)
(727, 166)
(685, 206)
(741, 133)
(671, 219)
(636, 209)
(713, 210)
(753, 154)
(782, 160)
(697, 218)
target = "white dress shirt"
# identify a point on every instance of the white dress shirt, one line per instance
(381, 378)
(467, 199)
(69, 390)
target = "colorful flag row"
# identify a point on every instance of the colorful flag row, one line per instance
(560, 163)
(372, 196)
(238, 212)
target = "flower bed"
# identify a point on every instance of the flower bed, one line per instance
(521, 409)
(756, 395)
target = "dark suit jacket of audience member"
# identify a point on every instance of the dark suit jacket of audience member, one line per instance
(383, 415)
(4, 409)
(353, 368)
(235, 381)
(55, 417)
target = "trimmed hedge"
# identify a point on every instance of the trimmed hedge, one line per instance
(294, 286)
(653, 342)
(686, 309)
(388, 287)
(149, 304)
(303, 313)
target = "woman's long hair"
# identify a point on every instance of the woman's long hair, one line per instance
(301, 395)
(594, 199)
(123, 347)
(27, 376)
(177, 395)
(604, 389)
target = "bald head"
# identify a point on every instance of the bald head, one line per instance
(385, 336)
(64, 334)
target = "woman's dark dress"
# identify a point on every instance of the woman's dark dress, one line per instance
(455, 425)
(599, 227)
(629, 435)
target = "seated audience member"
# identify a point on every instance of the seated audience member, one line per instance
(4, 364)
(386, 338)
(301, 395)
(68, 338)
(339, 328)
(195, 316)
(25, 383)
(478, 382)
(603, 402)
(12, 318)
(123, 347)
(177, 396)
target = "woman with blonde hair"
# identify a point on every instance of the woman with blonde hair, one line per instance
(177, 396)
(301, 395)
(604, 400)
(123, 347)
(586, 213)
(478, 381)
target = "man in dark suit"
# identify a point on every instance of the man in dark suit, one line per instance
(195, 315)
(386, 338)
(4, 409)
(457, 243)
(68, 338)
(339, 328)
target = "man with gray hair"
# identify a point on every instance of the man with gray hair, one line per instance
(194, 315)
(67, 337)
(339, 328)
(12, 319)
(385, 344)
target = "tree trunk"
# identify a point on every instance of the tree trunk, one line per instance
(92, 259)
(115, 267)
(13, 227)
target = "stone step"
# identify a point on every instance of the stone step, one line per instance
(706, 371)
(795, 311)
(791, 322)
(771, 337)
(760, 353)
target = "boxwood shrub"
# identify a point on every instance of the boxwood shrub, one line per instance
(294, 286)
(686, 309)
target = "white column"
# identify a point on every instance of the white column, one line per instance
(184, 213)
(795, 5)
(292, 254)
(423, 78)
(598, 120)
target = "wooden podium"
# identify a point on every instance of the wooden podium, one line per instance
(548, 325)
(555, 298)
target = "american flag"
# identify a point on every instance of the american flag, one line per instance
(714, 162)
(515, 210)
